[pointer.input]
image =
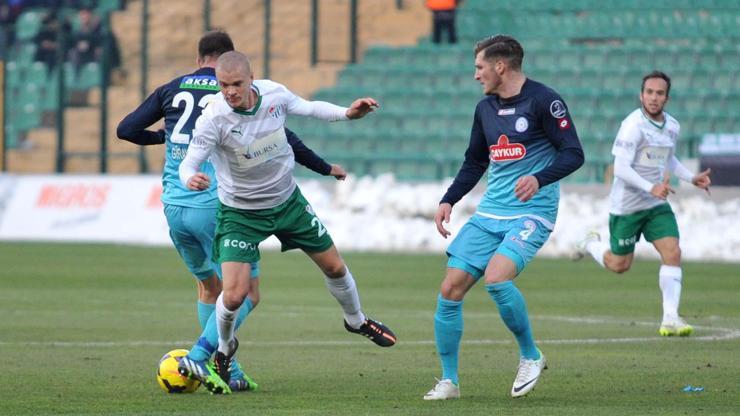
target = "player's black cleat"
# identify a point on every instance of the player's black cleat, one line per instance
(222, 362)
(376, 331)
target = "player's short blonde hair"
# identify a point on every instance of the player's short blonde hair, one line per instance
(234, 61)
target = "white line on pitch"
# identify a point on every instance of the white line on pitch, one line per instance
(719, 334)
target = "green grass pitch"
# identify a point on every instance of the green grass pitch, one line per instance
(83, 326)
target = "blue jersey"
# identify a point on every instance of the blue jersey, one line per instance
(180, 102)
(527, 134)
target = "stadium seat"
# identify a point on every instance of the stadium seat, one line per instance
(28, 25)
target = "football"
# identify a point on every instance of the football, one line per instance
(169, 379)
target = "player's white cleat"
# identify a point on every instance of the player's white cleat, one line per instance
(580, 247)
(527, 375)
(675, 327)
(445, 389)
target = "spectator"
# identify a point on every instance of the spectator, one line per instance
(9, 12)
(443, 19)
(86, 40)
(47, 40)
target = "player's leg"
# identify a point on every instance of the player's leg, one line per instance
(662, 231)
(523, 238)
(342, 286)
(208, 341)
(618, 254)
(238, 379)
(215, 376)
(186, 227)
(299, 227)
(468, 254)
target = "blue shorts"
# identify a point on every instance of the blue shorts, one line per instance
(481, 237)
(192, 231)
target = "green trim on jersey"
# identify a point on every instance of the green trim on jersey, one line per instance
(253, 111)
(651, 121)
(655, 223)
(240, 231)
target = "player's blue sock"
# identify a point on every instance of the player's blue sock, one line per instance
(513, 311)
(204, 312)
(448, 330)
(208, 341)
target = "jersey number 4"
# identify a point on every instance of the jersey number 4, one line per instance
(187, 98)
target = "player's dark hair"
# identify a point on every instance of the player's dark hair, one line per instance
(501, 46)
(657, 74)
(214, 44)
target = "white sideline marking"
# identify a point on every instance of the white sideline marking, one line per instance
(718, 334)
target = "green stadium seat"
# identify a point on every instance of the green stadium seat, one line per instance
(28, 25)
(24, 53)
(13, 73)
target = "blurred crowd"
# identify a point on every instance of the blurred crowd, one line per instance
(70, 29)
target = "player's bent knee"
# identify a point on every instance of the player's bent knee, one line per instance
(451, 291)
(334, 270)
(233, 299)
(672, 256)
(620, 267)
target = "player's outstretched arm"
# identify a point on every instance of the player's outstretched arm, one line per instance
(443, 215)
(701, 180)
(361, 107)
(338, 172)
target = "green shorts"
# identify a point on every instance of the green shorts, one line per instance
(239, 231)
(654, 223)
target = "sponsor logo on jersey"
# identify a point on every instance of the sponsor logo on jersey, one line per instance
(564, 124)
(276, 111)
(557, 109)
(521, 125)
(261, 152)
(199, 82)
(504, 151)
(506, 111)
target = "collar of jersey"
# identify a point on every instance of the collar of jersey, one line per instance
(256, 107)
(659, 126)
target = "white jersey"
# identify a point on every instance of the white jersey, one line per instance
(249, 149)
(649, 146)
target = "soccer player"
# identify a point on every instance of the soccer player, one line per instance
(243, 133)
(524, 136)
(644, 152)
(192, 216)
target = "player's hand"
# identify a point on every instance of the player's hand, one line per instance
(361, 107)
(443, 214)
(526, 187)
(662, 189)
(702, 181)
(338, 172)
(199, 182)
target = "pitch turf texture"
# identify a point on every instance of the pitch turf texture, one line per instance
(83, 326)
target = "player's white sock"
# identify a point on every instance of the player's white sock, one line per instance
(226, 320)
(597, 249)
(670, 285)
(345, 292)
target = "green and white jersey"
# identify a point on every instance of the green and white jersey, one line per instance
(249, 150)
(649, 146)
